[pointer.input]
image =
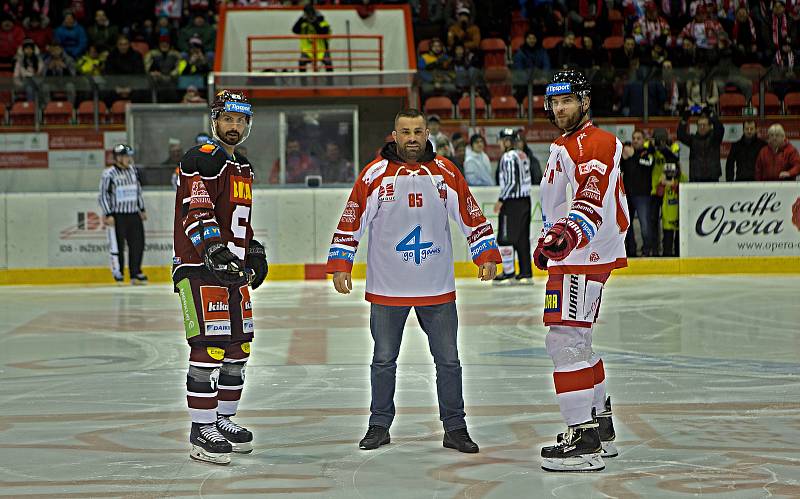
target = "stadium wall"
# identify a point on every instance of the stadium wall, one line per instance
(60, 237)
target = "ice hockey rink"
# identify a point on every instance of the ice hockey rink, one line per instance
(703, 372)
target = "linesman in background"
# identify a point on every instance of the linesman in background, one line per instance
(514, 208)
(123, 210)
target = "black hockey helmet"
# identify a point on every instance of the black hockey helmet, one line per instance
(567, 82)
(120, 149)
(231, 102)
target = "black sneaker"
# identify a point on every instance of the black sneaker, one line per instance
(578, 449)
(241, 438)
(209, 445)
(375, 437)
(503, 279)
(605, 427)
(139, 280)
(459, 439)
(119, 279)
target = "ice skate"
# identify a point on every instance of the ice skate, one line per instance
(241, 438)
(578, 449)
(605, 427)
(526, 280)
(208, 444)
(503, 279)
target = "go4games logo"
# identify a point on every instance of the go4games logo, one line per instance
(413, 248)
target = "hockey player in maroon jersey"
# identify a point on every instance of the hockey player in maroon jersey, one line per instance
(215, 259)
(582, 242)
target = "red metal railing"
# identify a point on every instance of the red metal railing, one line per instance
(272, 53)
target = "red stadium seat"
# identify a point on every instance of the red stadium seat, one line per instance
(516, 43)
(504, 106)
(538, 105)
(613, 42)
(86, 112)
(494, 52)
(519, 25)
(141, 47)
(550, 42)
(463, 107)
(442, 106)
(58, 113)
(731, 104)
(791, 103)
(617, 22)
(117, 115)
(22, 113)
(498, 79)
(772, 105)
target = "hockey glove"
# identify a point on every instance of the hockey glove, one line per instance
(257, 261)
(224, 265)
(538, 258)
(561, 239)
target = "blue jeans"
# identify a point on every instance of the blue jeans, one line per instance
(440, 323)
(640, 206)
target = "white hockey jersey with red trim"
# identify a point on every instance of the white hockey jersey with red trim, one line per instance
(587, 161)
(406, 208)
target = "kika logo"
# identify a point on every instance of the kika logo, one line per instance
(217, 306)
(386, 193)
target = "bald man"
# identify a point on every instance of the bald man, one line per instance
(778, 160)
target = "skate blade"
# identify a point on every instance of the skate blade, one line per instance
(609, 450)
(199, 454)
(525, 282)
(242, 448)
(585, 463)
(507, 282)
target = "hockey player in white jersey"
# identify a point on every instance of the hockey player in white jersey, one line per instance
(514, 211)
(406, 197)
(582, 241)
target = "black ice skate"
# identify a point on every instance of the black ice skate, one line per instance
(578, 450)
(605, 427)
(241, 438)
(209, 445)
(503, 279)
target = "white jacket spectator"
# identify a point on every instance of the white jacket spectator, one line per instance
(478, 168)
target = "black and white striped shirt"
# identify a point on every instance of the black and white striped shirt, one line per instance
(514, 175)
(120, 191)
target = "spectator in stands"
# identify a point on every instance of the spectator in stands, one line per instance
(57, 62)
(35, 30)
(192, 96)
(91, 63)
(588, 18)
(704, 29)
(686, 56)
(459, 155)
(71, 36)
(780, 36)
(164, 62)
(11, 37)
(672, 89)
(567, 54)
(464, 69)
(531, 55)
(637, 172)
(741, 163)
(704, 162)
(452, 7)
(478, 168)
(162, 27)
(102, 33)
(744, 38)
(298, 164)
(622, 58)
(123, 60)
(591, 56)
(199, 28)
(778, 160)
(313, 50)
(175, 153)
(435, 58)
(652, 28)
(464, 32)
(196, 61)
(14, 9)
(700, 92)
(334, 168)
(436, 135)
(29, 64)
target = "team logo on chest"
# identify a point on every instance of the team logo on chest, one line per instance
(386, 193)
(413, 249)
(241, 191)
(591, 190)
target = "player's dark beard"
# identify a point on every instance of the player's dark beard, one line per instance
(410, 155)
(231, 137)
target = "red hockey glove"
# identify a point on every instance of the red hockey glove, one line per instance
(538, 258)
(561, 239)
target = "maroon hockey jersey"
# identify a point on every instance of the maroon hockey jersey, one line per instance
(212, 204)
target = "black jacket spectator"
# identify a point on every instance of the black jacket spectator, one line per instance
(123, 60)
(704, 165)
(637, 173)
(741, 163)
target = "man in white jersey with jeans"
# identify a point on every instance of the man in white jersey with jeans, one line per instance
(406, 197)
(583, 240)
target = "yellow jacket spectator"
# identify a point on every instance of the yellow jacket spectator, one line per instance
(91, 63)
(312, 23)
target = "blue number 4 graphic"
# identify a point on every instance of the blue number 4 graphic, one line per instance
(412, 243)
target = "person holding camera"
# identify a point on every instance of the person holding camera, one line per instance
(704, 161)
(668, 191)
(311, 49)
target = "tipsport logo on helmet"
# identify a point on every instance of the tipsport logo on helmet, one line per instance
(558, 89)
(238, 107)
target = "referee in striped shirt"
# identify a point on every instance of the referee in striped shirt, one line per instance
(123, 208)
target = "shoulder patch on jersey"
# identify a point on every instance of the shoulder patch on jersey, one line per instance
(207, 148)
(207, 164)
(374, 171)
